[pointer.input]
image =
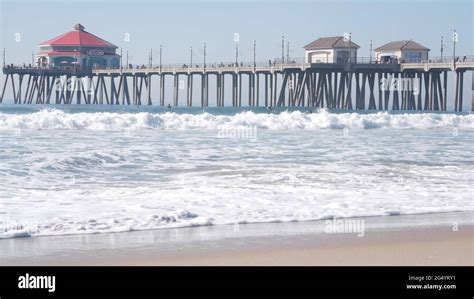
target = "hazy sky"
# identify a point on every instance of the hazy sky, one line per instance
(178, 25)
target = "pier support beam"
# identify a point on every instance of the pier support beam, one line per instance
(126, 92)
(426, 77)
(222, 93)
(445, 90)
(270, 102)
(266, 89)
(4, 88)
(257, 76)
(395, 103)
(275, 82)
(239, 101)
(78, 88)
(461, 93)
(148, 89)
(372, 105)
(348, 104)
(418, 86)
(218, 90)
(281, 97)
(472, 91)
(204, 90)
(189, 95)
(162, 89)
(380, 89)
(331, 87)
(234, 90)
(175, 89)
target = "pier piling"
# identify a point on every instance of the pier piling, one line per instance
(410, 86)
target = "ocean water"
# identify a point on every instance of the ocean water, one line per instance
(79, 169)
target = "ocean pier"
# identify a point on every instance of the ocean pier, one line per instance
(78, 67)
(360, 86)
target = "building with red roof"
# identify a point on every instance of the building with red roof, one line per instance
(77, 48)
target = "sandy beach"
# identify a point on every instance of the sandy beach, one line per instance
(427, 239)
(426, 247)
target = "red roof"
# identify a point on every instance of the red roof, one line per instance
(78, 37)
(331, 43)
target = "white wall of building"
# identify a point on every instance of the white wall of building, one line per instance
(414, 55)
(404, 55)
(330, 55)
(380, 54)
(319, 56)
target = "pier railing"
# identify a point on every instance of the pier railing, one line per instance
(276, 64)
(271, 63)
(444, 59)
(27, 69)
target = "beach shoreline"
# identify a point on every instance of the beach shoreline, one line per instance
(426, 239)
(427, 247)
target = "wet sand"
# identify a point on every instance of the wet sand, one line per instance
(428, 239)
(421, 247)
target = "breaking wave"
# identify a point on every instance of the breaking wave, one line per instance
(58, 119)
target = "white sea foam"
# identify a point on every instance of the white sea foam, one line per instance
(57, 119)
(79, 173)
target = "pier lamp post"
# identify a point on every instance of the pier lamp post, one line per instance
(191, 58)
(161, 56)
(370, 53)
(236, 54)
(442, 48)
(127, 60)
(254, 55)
(204, 57)
(455, 40)
(282, 49)
(236, 41)
(287, 52)
(150, 59)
